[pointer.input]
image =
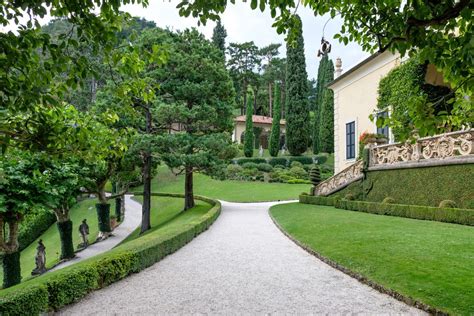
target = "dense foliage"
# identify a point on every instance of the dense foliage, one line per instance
(326, 125)
(274, 142)
(400, 94)
(249, 137)
(297, 113)
(219, 35)
(325, 76)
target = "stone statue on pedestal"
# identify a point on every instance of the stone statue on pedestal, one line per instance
(260, 152)
(40, 259)
(84, 231)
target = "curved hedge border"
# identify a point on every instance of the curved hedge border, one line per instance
(447, 215)
(33, 226)
(59, 288)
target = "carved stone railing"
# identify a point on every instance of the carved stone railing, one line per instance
(449, 146)
(340, 180)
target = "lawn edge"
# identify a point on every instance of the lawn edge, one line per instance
(362, 279)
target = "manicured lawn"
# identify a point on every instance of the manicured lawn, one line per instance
(84, 209)
(429, 261)
(234, 191)
(167, 209)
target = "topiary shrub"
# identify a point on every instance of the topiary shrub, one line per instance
(296, 164)
(265, 167)
(349, 197)
(388, 200)
(447, 204)
(242, 161)
(315, 175)
(298, 173)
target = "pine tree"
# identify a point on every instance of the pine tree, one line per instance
(275, 133)
(297, 108)
(326, 112)
(248, 136)
(219, 35)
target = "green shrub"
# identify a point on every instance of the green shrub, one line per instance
(469, 204)
(265, 167)
(298, 173)
(447, 203)
(315, 175)
(59, 288)
(233, 172)
(241, 161)
(305, 160)
(296, 164)
(318, 200)
(278, 161)
(321, 159)
(250, 165)
(388, 200)
(279, 167)
(33, 225)
(349, 197)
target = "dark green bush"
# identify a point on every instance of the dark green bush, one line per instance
(298, 173)
(349, 197)
(305, 160)
(59, 288)
(278, 161)
(447, 203)
(321, 159)
(315, 175)
(279, 167)
(241, 161)
(265, 167)
(33, 225)
(296, 164)
(250, 165)
(318, 200)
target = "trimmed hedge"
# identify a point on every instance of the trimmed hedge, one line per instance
(418, 186)
(242, 161)
(278, 161)
(448, 215)
(59, 288)
(33, 225)
(305, 160)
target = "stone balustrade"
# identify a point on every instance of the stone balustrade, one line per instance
(450, 148)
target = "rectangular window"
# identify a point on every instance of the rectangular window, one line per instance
(350, 140)
(383, 130)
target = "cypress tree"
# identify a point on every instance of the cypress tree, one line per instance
(297, 107)
(325, 76)
(219, 35)
(275, 134)
(326, 112)
(318, 101)
(326, 131)
(248, 136)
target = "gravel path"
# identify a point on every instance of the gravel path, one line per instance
(242, 265)
(133, 216)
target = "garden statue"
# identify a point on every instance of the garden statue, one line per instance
(283, 150)
(84, 231)
(260, 151)
(40, 259)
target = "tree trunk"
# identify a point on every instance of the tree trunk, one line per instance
(188, 189)
(65, 235)
(147, 162)
(11, 269)
(270, 99)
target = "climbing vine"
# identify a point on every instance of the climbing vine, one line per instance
(415, 104)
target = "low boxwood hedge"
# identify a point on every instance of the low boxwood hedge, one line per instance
(59, 288)
(305, 160)
(278, 161)
(241, 161)
(448, 215)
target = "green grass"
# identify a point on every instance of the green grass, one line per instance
(166, 209)
(234, 191)
(429, 261)
(84, 209)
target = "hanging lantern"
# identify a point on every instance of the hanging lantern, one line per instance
(325, 48)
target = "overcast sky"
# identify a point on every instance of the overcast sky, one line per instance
(243, 25)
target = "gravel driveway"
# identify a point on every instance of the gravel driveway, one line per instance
(242, 265)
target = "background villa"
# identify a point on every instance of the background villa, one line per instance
(263, 122)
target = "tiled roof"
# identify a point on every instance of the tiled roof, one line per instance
(258, 119)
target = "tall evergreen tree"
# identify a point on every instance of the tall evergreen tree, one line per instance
(325, 76)
(248, 136)
(275, 133)
(326, 130)
(219, 35)
(297, 116)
